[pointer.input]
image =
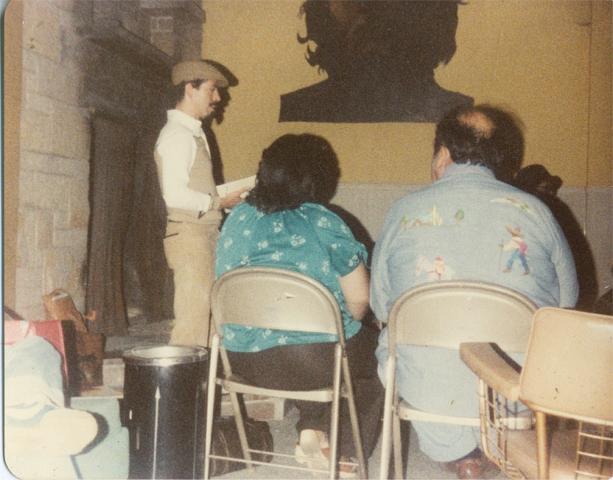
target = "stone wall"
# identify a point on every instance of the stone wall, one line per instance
(54, 164)
(80, 58)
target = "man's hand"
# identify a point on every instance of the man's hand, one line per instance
(233, 198)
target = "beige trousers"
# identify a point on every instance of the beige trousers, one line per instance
(190, 253)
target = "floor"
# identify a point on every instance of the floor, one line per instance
(284, 436)
(283, 431)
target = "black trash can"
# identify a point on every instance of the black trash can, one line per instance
(164, 409)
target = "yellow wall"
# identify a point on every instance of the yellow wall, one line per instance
(549, 61)
(601, 121)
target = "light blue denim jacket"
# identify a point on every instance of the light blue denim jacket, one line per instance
(470, 226)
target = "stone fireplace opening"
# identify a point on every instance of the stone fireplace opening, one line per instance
(132, 47)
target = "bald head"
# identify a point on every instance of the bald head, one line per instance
(481, 124)
(482, 135)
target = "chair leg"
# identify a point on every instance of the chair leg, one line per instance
(353, 415)
(240, 426)
(542, 449)
(386, 434)
(197, 430)
(334, 418)
(210, 403)
(397, 445)
(484, 415)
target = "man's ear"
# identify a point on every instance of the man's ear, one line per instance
(442, 159)
(189, 90)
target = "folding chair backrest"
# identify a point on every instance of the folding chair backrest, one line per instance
(276, 299)
(445, 314)
(569, 365)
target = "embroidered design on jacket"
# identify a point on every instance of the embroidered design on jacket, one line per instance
(523, 206)
(431, 219)
(435, 269)
(518, 248)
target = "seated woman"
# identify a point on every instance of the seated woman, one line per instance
(284, 223)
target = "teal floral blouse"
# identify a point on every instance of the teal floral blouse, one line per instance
(310, 240)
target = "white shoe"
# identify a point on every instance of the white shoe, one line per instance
(310, 452)
(309, 449)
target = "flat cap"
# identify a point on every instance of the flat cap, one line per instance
(197, 70)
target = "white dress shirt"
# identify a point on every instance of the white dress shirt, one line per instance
(176, 147)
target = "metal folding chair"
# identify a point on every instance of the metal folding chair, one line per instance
(445, 314)
(567, 374)
(279, 300)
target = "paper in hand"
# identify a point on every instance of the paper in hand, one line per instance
(247, 182)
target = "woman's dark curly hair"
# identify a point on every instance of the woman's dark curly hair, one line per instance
(295, 169)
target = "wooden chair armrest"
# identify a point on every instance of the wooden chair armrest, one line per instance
(491, 366)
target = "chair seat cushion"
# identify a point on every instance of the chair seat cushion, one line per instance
(521, 448)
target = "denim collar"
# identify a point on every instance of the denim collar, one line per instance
(455, 169)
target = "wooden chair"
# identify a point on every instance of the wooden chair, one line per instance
(568, 373)
(279, 300)
(445, 314)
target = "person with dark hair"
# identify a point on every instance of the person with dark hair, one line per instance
(537, 180)
(285, 223)
(380, 58)
(466, 225)
(503, 152)
(193, 207)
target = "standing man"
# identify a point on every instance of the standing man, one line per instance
(476, 214)
(193, 207)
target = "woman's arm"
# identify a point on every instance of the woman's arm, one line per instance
(355, 287)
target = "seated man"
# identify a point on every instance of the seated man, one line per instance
(467, 225)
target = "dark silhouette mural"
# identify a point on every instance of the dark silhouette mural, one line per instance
(379, 57)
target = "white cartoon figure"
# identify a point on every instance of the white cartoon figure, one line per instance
(435, 270)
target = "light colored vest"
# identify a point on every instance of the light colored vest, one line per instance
(201, 180)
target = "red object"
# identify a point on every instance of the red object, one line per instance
(50, 330)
